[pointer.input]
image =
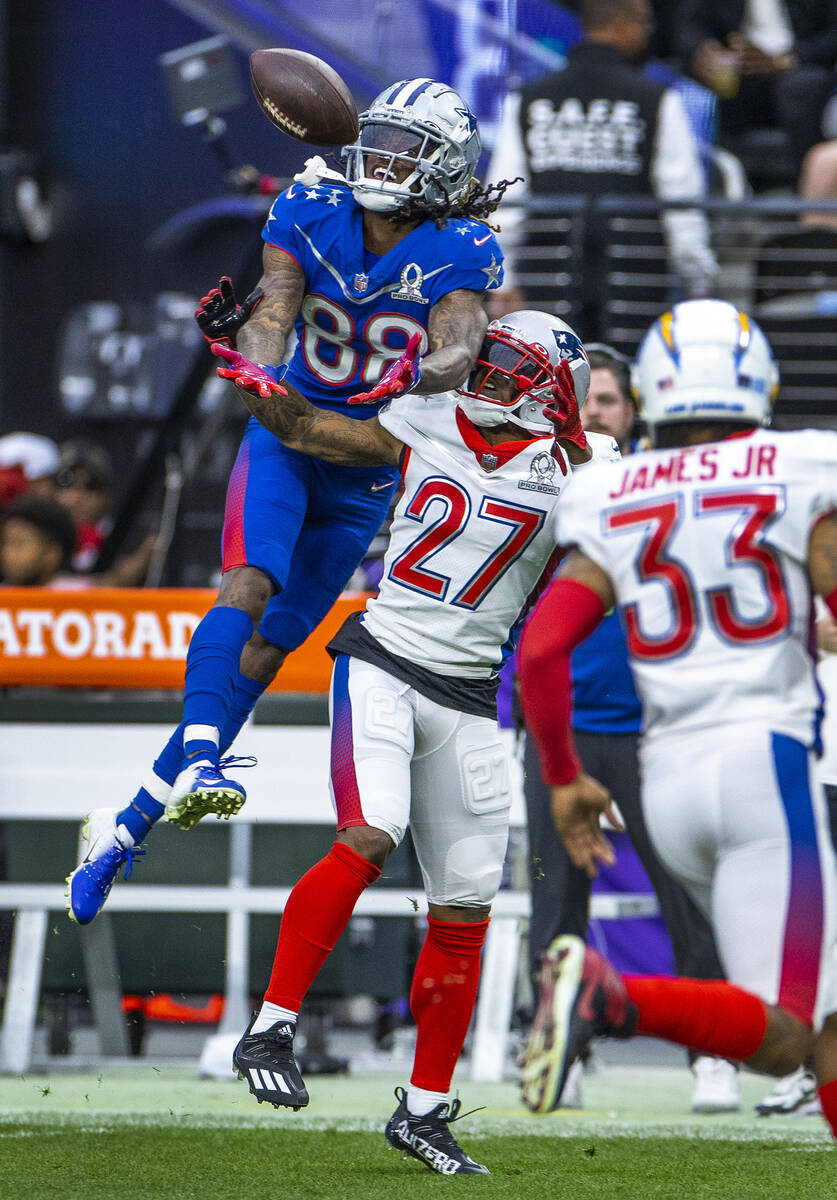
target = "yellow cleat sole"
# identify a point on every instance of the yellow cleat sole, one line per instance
(194, 806)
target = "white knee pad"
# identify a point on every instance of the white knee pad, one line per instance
(483, 771)
(471, 872)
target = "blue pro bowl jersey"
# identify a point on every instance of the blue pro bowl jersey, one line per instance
(357, 315)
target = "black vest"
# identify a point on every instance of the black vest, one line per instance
(590, 128)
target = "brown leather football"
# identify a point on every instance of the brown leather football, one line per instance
(304, 97)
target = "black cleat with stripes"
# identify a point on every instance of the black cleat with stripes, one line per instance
(429, 1138)
(266, 1060)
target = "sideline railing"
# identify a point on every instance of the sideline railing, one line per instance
(63, 786)
(772, 264)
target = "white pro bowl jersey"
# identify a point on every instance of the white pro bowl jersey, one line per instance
(706, 548)
(471, 537)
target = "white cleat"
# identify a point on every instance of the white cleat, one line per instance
(103, 851)
(716, 1087)
(794, 1095)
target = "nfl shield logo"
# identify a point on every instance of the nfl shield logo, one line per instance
(489, 462)
(361, 282)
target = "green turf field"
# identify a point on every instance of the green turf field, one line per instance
(147, 1132)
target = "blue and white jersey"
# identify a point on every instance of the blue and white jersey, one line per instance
(359, 310)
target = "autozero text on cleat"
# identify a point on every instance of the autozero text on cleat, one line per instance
(429, 1139)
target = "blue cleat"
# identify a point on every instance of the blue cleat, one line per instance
(202, 788)
(103, 851)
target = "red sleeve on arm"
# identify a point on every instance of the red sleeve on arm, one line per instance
(568, 612)
(831, 601)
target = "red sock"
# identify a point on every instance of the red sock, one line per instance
(442, 998)
(705, 1015)
(317, 912)
(828, 1100)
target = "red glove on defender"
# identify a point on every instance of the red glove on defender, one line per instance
(563, 411)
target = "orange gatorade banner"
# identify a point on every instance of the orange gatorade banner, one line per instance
(130, 638)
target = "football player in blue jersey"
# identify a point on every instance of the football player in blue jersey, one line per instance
(377, 271)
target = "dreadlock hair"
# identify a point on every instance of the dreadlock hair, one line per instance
(478, 203)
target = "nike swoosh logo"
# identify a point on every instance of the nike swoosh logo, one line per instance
(481, 241)
(380, 487)
(290, 193)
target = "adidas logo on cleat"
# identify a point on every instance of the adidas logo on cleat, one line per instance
(265, 1080)
(266, 1061)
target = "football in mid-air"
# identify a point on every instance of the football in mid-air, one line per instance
(304, 97)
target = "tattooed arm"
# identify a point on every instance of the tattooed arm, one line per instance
(264, 337)
(291, 418)
(455, 331)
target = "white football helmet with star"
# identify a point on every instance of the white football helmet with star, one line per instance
(525, 347)
(424, 124)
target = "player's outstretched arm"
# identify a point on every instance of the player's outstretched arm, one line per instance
(291, 418)
(264, 338)
(455, 329)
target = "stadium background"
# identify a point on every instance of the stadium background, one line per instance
(140, 206)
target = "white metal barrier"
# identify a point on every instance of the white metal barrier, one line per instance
(91, 766)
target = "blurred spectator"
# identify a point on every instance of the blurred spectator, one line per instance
(599, 126)
(609, 408)
(37, 540)
(818, 181)
(664, 42)
(28, 463)
(770, 62)
(84, 489)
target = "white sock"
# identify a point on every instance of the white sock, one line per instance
(125, 836)
(421, 1102)
(156, 787)
(269, 1014)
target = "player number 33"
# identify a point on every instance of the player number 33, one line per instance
(750, 514)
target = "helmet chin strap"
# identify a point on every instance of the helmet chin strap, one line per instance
(315, 171)
(374, 199)
(488, 416)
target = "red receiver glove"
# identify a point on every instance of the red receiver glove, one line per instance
(257, 378)
(400, 377)
(563, 411)
(220, 316)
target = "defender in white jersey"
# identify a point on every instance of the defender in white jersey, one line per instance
(711, 547)
(413, 698)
